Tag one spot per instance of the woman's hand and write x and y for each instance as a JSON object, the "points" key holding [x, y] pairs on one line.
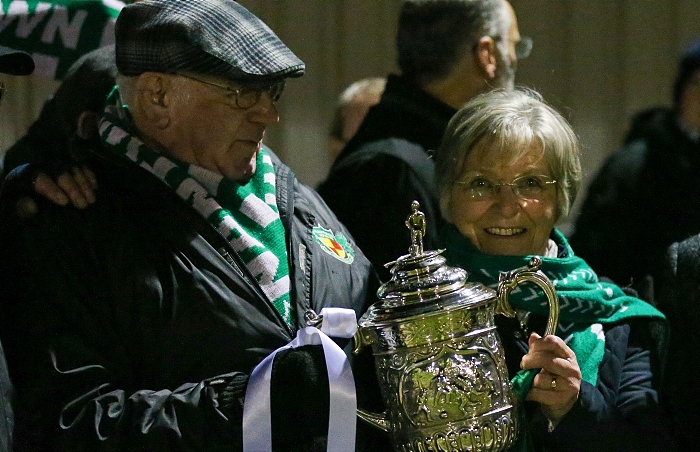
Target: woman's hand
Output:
{"points": [[557, 385]]}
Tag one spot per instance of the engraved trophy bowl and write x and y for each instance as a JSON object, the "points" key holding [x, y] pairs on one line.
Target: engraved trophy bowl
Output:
{"points": [[439, 360]]}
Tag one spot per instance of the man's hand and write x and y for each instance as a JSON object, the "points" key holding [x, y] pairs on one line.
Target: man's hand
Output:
{"points": [[76, 186]]}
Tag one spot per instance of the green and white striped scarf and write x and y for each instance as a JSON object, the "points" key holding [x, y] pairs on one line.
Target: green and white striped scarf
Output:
{"points": [[57, 32], [246, 215], [585, 302]]}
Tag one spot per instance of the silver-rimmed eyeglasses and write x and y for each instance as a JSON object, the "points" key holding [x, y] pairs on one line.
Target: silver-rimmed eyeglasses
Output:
{"points": [[527, 187], [247, 95]]}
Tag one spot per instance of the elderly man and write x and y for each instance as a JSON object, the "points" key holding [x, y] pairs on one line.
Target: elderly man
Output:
{"points": [[12, 62], [136, 323], [448, 52]]}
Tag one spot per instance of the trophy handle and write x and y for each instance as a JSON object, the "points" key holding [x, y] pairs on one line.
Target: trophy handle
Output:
{"points": [[507, 281], [379, 420]]}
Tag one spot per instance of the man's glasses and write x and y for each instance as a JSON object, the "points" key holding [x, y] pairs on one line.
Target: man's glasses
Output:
{"points": [[530, 188], [248, 95], [2, 90], [523, 47]]}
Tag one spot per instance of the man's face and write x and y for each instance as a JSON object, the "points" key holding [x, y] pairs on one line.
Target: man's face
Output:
{"points": [[690, 102], [216, 134]]}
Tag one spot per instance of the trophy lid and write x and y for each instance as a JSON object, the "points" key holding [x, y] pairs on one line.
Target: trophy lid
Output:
{"points": [[422, 283]]}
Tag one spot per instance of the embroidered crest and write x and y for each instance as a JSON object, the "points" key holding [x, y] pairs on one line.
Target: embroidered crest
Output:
{"points": [[334, 244]]}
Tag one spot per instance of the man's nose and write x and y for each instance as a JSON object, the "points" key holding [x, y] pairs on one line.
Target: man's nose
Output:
{"points": [[265, 110]]}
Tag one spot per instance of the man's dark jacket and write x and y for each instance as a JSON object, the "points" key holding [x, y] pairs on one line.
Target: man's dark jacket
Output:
{"points": [[133, 324], [373, 197], [646, 197]]}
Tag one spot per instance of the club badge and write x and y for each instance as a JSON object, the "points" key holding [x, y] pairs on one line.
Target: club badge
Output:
{"points": [[334, 244]]}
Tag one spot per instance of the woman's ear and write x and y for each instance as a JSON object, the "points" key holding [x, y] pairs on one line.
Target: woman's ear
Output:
{"points": [[486, 57]]}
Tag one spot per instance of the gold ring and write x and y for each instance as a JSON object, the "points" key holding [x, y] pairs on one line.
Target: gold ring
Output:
{"points": [[553, 384]]}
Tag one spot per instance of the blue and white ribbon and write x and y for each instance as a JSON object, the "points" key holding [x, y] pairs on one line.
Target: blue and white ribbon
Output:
{"points": [[257, 425]]}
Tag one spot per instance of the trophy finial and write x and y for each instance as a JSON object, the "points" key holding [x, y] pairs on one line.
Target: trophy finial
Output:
{"points": [[416, 224]]}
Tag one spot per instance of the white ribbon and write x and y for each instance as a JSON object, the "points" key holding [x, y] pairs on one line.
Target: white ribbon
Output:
{"points": [[257, 425]]}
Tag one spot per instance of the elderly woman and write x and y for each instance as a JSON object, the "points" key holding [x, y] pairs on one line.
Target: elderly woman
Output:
{"points": [[507, 170]]}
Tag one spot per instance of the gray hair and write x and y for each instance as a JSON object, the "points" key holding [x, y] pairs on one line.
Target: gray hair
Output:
{"points": [[509, 122], [434, 34]]}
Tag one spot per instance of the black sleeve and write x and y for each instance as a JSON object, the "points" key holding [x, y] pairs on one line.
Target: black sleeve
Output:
{"points": [[621, 412], [79, 381]]}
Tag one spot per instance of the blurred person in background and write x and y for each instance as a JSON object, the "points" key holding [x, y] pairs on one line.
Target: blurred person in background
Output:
{"points": [[55, 144], [448, 52], [647, 194], [350, 110], [12, 62]]}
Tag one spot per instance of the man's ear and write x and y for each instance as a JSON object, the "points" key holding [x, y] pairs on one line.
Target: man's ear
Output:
{"points": [[154, 97], [486, 57]]}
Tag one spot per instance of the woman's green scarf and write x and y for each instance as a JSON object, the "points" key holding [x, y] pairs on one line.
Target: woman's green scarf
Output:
{"points": [[585, 302], [246, 215]]}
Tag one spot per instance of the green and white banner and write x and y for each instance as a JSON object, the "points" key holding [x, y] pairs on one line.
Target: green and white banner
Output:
{"points": [[57, 32]]}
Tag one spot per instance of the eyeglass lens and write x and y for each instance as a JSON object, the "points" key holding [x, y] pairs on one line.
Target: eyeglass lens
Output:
{"points": [[247, 96]]}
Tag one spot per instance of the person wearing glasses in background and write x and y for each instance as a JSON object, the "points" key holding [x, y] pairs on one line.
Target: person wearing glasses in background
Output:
{"points": [[135, 323], [448, 52], [12, 62], [507, 171]]}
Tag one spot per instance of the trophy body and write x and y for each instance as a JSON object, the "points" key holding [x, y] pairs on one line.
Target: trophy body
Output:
{"points": [[439, 360]]}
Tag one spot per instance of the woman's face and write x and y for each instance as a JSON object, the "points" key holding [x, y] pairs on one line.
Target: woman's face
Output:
{"points": [[504, 223]]}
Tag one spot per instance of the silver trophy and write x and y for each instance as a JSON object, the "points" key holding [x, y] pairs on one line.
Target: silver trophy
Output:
{"points": [[439, 360]]}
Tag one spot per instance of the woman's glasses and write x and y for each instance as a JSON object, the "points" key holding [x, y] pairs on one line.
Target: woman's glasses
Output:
{"points": [[528, 187]]}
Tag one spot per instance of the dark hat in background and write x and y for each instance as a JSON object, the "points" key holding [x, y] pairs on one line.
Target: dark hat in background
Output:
{"points": [[689, 64], [85, 86], [15, 62], [210, 37]]}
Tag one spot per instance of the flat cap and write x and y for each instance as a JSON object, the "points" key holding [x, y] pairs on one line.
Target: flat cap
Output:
{"points": [[210, 37], [15, 62]]}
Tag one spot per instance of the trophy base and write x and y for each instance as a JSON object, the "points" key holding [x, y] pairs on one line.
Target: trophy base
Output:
{"points": [[496, 431]]}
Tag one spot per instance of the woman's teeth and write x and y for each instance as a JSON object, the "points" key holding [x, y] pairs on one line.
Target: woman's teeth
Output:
{"points": [[505, 231]]}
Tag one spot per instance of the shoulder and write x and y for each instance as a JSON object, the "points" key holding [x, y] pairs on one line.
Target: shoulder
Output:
{"points": [[683, 258], [385, 162]]}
